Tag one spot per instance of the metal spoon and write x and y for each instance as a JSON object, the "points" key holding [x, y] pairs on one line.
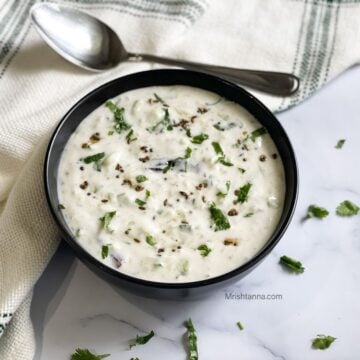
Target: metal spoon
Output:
{"points": [[91, 44]]}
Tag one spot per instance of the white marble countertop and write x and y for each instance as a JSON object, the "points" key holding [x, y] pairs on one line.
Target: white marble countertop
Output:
{"points": [[73, 307]]}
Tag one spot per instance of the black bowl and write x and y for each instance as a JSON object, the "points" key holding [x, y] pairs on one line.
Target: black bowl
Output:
{"points": [[169, 77]]}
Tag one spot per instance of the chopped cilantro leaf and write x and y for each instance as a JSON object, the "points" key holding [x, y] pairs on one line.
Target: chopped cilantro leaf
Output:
{"points": [[141, 178], [142, 203], [141, 340], [217, 126], [225, 162], [104, 251], [165, 122], [199, 139], [221, 194], [340, 144], [292, 264], [347, 208], [171, 163], [240, 325], [158, 98], [150, 240], [317, 212], [322, 342], [85, 354], [258, 132], [93, 158], [249, 214], [220, 220], [217, 148], [204, 250], [129, 136], [219, 151], [192, 341], [120, 123]]}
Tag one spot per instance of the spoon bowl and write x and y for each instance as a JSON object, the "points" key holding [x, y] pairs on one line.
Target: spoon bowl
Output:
{"points": [[78, 37]]}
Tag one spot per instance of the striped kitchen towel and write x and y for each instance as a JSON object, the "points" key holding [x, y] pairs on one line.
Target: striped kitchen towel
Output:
{"points": [[315, 39]]}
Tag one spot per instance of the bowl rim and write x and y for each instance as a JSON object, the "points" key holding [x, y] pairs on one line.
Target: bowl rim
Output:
{"points": [[85, 256]]}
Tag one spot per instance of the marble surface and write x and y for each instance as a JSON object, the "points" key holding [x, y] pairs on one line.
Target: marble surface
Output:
{"points": [[72, 307]]}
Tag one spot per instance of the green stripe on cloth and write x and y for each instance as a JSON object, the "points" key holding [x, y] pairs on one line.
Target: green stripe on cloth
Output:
{"points": [[315, 48], [333, 41], [308, 48], [169, 8], [6, 18]]}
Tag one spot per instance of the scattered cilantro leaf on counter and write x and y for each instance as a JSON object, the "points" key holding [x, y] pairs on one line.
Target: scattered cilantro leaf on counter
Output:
{"points": [[110, 132], [292, 264], [241, 170], [240, 325], [219, 151], [243, 193], [61, 207], [204, 250], [221, 194], [258, 132], [150, 240], [85, 354], [141, 340], [315, 211], [141, 178], [347, 208], [192, 341], [340, 144], [188, 133], [171, 163], [106, 219], [104, 251], [129, 136], [199, 139], [322, 342], [120, 123], [220, 220]]}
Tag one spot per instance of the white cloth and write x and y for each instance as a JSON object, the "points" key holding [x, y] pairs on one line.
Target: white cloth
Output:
{"points": [[315, 39]]}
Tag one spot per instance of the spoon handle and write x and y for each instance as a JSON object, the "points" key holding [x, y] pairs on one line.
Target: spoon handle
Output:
{"points": [[275, 83]]}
